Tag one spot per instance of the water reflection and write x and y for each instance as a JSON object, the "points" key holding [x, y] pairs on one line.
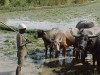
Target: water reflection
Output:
{"points": [[64, 66], [70, 66]]}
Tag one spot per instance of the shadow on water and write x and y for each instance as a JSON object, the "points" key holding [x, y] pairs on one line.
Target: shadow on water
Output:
{"points": [[63, 66], [70, 66]]}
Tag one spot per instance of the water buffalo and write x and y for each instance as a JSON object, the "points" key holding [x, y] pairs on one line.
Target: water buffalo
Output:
{"points": [[89, 39], [84, 24], [58, 39], [64, 39], [60, 43], [47, 37]]}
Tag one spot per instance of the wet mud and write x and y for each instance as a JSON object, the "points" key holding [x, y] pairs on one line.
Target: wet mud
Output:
{"points": [[67, 66], [36, 64]]}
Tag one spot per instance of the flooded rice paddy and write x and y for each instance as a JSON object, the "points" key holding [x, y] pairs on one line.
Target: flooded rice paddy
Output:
{"points": [[36, 64]]}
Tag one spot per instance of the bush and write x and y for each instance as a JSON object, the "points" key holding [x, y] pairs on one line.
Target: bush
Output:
{"points": [[5, 2], [18, 2], [40, 2]]}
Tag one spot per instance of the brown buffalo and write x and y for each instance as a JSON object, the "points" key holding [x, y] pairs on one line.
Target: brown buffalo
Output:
{"points": [[58, 39], [64, 39], [47, 37]]}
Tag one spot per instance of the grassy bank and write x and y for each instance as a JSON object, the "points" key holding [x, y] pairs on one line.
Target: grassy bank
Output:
{"points": [[13, 3], [52, 13]]}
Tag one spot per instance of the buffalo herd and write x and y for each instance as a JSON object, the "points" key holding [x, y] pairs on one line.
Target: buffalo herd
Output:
{"points": [[85, 38]]}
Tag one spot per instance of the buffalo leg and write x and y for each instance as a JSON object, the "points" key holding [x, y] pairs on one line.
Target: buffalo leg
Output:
{"points": [[82, 56], [51, 50], [98, 64], [46, 52], [77, 56], [74, 52], [56, 55], [64, 51], [93, 59], [57, 50]]}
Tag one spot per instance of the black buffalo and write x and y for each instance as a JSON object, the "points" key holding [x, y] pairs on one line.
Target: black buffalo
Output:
{"points": [[47, 40], [84, 24], [88, 41]]}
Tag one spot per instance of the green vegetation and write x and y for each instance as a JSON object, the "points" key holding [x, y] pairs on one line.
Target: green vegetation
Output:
{"points": [[8, 3], [52, 14]]}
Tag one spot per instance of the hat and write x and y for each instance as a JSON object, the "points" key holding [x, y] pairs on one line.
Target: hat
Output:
{"points": [[22, 26]]}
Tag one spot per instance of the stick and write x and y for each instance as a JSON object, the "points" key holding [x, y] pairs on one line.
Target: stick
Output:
{"points": [[8, 27]]}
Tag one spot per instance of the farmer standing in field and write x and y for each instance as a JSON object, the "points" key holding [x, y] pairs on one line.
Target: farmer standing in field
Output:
{"points": [[21, 46]]}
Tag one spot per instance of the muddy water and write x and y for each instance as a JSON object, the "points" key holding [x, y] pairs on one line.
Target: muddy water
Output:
{"points": [[49, 25], [8, 57], [36, 64], [64, 66]]}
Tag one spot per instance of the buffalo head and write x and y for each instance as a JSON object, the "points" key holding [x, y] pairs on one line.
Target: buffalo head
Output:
{"points": [[83, 38], [40, 33], [56, 45]]}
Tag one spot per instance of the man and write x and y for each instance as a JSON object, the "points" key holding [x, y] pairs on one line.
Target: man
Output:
{"points": [[21, 46]]}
